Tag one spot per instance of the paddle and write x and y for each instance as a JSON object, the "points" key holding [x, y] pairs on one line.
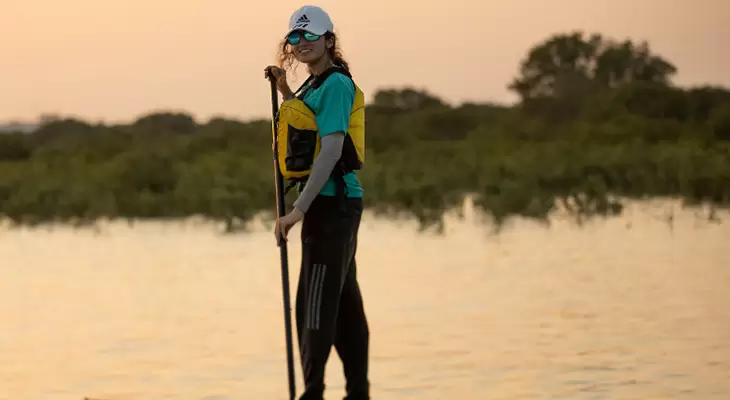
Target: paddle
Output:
{"points": [[280, 212]]}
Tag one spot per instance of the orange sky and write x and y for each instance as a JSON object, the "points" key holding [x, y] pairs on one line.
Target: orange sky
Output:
{"points": [[113, 60]]}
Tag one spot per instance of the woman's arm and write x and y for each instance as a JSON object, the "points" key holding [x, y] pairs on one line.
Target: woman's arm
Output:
{"points": [[329, 153]]}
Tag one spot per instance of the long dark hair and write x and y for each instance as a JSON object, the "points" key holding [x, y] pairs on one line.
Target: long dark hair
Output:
{"points": [[287, 59]]}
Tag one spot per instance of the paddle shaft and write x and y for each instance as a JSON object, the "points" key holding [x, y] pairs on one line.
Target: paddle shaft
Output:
{"points": [[280, 212]]}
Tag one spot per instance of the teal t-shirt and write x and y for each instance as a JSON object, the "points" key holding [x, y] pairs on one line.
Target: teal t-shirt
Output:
{"points": [[332, 103]]}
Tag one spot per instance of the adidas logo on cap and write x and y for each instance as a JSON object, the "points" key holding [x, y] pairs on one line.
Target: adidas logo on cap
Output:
{"points": [[302, 22]]}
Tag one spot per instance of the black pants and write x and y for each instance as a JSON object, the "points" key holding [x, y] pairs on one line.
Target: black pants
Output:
{"points": [[329, 308]]}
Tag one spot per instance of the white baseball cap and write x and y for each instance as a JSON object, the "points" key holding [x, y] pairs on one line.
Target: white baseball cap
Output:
{"points": [[312, 19]]}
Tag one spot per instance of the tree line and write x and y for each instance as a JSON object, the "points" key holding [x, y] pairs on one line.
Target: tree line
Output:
{"points": [[598, 120]]}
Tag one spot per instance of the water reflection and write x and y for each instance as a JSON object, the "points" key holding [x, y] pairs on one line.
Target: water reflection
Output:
{"points": [[164, 311]]}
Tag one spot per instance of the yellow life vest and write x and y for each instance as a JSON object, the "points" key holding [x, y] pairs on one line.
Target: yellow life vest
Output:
{"points": [[298, 140]]}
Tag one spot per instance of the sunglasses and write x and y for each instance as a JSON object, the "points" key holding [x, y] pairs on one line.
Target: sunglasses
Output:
{"points": [[296, 37]]}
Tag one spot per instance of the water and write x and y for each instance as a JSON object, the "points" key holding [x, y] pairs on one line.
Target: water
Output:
{"points": [[629, 308]]}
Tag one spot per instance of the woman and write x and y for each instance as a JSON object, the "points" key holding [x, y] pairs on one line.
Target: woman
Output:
{"points": [[329, 308]]}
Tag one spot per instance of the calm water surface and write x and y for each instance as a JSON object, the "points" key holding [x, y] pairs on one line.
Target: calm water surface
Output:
{"points": [[628, 308]]}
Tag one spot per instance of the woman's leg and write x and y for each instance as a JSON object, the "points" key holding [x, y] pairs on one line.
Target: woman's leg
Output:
{"points": [[352, 335], [327, 248], [352, 338]]}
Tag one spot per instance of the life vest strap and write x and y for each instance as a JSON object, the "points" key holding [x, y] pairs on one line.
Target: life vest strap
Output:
{"points": [[338, 175], [291, 185], [316, 81], [340, 186]]}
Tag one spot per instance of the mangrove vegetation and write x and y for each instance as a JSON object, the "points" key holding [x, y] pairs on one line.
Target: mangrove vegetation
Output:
{"points": [[598, 121]]}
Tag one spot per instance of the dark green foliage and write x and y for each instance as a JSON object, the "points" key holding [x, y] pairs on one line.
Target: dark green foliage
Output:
{"points": [[599, 121]]}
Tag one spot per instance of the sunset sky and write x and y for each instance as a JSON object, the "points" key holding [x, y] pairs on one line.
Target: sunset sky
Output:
{"points": [[113, 60]]}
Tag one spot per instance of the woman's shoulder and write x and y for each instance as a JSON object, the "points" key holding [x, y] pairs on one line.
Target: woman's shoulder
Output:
{"points": [[338, 81]]}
